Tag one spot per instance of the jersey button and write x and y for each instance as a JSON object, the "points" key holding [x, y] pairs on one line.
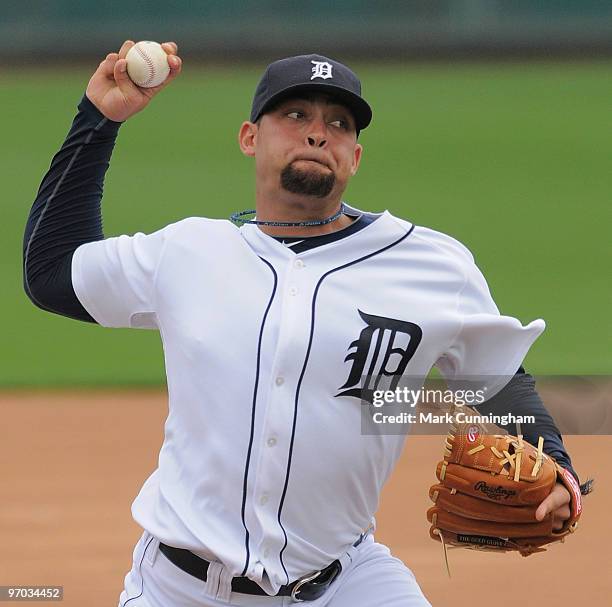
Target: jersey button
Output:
{"points": [[266, 552], [293, 291], [271, 442], [263, 500], [279, 381], [299, 263]]}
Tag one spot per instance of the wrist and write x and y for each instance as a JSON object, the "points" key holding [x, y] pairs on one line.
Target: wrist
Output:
{"points": [[89, 108]]}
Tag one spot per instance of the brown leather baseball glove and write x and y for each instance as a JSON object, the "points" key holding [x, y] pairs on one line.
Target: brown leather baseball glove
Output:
{"points": [[489, 490]]}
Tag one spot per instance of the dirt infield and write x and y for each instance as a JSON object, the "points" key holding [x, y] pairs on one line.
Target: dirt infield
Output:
{"points": [[72, 463]]}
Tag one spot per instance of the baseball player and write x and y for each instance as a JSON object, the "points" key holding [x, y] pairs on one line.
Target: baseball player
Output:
{"points": [[266, 488]]}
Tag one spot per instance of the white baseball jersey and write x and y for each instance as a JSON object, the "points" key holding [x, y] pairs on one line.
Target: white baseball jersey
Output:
{"points": [[263, 466]]}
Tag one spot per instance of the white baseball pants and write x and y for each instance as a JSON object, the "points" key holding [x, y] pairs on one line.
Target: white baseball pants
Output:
{"points": [[370, 577]]}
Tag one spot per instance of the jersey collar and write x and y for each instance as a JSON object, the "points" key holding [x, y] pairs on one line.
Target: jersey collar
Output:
{"points": [[380, 233]]}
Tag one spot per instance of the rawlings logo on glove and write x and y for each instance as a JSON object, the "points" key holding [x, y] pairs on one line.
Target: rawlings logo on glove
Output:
{"points": [[494, 493]]}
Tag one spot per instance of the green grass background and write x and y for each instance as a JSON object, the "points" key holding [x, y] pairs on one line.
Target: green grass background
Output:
{"points": [[511, 159]]}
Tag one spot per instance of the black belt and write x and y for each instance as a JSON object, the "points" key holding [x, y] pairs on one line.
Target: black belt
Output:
{"points": [[307, 588]]}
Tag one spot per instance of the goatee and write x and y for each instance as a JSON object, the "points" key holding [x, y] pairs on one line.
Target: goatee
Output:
{"points": [[309, 183]]}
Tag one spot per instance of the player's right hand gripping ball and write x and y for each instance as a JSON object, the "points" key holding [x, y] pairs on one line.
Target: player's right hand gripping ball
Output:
{"points": [[147, 64], [490, 488]]}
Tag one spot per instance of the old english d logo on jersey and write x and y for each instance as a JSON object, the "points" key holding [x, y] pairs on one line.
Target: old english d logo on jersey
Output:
{"points": [[379, 346], [321, 69]]}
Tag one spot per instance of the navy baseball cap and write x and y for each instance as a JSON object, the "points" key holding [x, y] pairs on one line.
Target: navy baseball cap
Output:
{"points": [[311, 73]]}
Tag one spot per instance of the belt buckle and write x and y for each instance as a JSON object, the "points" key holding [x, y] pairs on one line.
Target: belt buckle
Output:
{"points": [[300, 583]]}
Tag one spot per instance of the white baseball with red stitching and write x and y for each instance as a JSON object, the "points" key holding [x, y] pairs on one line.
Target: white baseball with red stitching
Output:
{"points": [[147, 64]]}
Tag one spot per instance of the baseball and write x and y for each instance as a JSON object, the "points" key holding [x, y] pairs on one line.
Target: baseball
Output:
{"points": [[147, 64]]}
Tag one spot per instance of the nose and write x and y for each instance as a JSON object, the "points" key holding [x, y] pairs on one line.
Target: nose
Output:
{"points": [[316, 136], [316, 141]]}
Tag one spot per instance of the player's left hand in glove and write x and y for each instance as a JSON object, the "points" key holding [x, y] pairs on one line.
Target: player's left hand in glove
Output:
{"points": [[115, 95], [491, 486]]}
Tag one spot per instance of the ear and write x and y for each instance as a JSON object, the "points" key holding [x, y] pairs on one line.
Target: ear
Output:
{"points": [[247, 138], [356, 158]]}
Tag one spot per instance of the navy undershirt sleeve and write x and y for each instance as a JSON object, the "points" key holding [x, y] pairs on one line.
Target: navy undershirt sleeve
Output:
{"points": [[521, 398], [67, 212]]}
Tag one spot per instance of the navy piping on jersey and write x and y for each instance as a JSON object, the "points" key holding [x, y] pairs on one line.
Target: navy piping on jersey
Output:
{"points": [[144, 553], [299, 385], [254, 406]]}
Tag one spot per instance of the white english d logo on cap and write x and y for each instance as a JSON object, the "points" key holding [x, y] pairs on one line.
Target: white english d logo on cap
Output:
{"points": [[321, 69]]}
